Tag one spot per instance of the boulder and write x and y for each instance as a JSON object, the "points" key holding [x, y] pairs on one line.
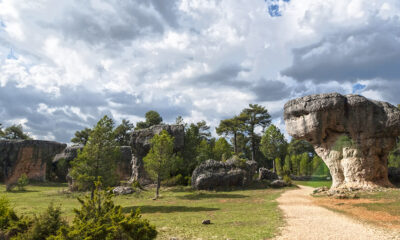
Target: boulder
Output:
{"points": [[212, 174], [121, 190], [140, 144], [30, 157], [61, 161], [266, 174], [278, 184], [352, 134], [394, 174]]}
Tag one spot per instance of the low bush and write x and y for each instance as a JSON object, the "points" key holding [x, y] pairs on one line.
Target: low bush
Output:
{"points": [[22, 182]]}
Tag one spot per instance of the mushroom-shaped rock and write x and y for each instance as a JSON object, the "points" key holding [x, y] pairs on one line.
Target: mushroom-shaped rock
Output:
{"points": [[352, 134]]}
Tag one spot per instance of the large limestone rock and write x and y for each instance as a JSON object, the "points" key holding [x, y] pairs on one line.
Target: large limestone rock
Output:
{"points": [[140, 143], [30, 157], [61, 162], [352, 134], [212, 174]]}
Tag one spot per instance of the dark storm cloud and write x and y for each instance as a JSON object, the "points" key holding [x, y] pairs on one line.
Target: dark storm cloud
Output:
{"points": [[62, 121], [389, 90], [270, 90], [369, 52], [222, 76], [128, 21]]}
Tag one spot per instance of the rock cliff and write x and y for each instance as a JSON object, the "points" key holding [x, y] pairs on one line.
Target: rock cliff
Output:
{"points": [[212, 174], [140, 143], [30, 157], [352, 134]]}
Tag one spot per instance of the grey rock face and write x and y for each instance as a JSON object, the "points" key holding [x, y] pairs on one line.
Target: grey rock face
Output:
{"points": [[30, 157], [61, 161], [352, 134], [124, 170], [213, 174], [140, 143], [265, 174], [278, 184], [120, 190]]}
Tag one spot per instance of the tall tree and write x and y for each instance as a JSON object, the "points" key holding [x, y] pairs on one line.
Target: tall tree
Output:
{"points": [[160, 157], [255, 115], [15, 132], [152, 118], [222, 149], [98, 157], [273, 144], [231, 126], [81, 137], [122, 133], [297, 147]]}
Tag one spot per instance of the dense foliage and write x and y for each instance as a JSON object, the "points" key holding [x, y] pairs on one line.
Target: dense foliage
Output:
{"points": [[98, 157], [160, 158], [81, 137], [14, 132], [152, 118]]}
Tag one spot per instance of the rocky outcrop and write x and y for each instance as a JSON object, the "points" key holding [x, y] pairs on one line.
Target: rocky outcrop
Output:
{"points": [[352, 134], [140, 143], [30, 157], [212, 174], [61, 162], [123, 168], [266, 174]]}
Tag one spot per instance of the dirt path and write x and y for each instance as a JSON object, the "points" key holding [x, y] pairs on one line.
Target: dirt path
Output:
{"points": [[305, 220]]}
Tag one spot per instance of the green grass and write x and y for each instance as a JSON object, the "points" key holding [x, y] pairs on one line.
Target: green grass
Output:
{"points": [[240, 214], [316, 181]]}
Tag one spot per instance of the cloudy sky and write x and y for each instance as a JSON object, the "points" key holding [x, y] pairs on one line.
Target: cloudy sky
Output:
{"points": [[64, 63]]}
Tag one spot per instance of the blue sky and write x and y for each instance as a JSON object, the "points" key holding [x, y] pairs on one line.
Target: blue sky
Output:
{"points": [[64, 64]]}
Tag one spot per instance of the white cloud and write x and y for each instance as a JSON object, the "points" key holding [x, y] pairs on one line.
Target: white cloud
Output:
{"points": [[200, 59]]}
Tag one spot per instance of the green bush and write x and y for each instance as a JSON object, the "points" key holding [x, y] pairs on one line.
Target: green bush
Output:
{"points": [[44, 226], [176, 180], [22, 182], [100, 219], [287, 180], [10, 223]]}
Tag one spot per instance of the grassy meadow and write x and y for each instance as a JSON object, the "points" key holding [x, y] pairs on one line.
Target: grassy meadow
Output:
{"points": [[239, 214]]}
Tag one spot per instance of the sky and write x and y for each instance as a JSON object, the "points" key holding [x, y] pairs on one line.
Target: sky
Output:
{"points": [[64, 64]]}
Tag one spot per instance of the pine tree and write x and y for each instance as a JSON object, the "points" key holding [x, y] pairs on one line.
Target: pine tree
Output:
{"points": [[159, 160], [98, 157]]}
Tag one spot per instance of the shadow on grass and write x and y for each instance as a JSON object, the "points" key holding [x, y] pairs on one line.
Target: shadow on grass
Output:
{"points": [[21, 191], [47, 184], [203, 195], [167, 209]]}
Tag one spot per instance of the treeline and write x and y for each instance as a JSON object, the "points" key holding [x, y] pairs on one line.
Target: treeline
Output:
{"points": [[13, 132]]}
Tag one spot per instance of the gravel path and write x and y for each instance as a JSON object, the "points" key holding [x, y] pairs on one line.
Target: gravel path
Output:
{"points": [[305, 220]]}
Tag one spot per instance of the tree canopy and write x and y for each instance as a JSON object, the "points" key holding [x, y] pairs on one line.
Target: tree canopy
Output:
{"points": [[160, 158], [273, 143], [122, 133], [152, 118], [98, 157], [81, 137], [15, 132], [232, 126], [255, 115]]}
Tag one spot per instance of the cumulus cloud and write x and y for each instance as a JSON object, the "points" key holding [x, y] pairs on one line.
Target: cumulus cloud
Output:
{"points": [[63, 64]]}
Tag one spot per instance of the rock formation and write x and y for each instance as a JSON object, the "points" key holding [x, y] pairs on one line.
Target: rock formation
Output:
{"points": [[61, 162], [140, 143], [352, 134], [30, 157], [212, 174]]}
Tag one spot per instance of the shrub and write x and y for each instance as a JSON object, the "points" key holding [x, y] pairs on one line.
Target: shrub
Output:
{"points": [[174, 181], [10, 223], [22, 182], [47, 224], [287, 180], [100, 219]]}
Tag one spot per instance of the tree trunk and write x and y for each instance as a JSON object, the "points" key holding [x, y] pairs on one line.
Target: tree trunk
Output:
{"points": [[158, 186], [253, 149], [235, 144]]}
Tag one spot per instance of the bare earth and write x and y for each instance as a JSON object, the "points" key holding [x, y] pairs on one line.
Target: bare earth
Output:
{"points": [[305, 220]]}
